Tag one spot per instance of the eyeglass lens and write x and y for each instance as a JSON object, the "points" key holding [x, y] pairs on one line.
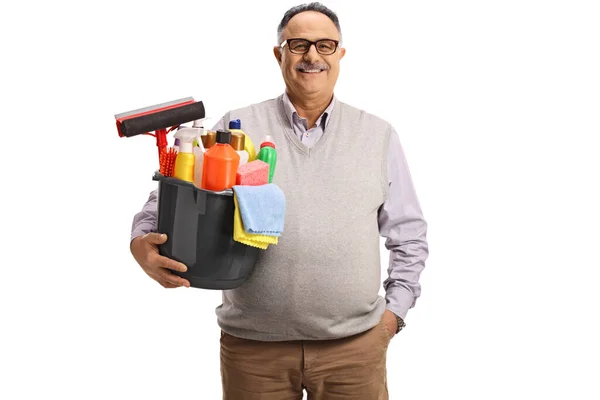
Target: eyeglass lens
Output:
{"points": [[323, 46]]}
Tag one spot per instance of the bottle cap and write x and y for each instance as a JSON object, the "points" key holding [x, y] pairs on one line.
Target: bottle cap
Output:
{"points": [[267, 144], [235, 124], [238, 141], [223, 136], [209, 139]]}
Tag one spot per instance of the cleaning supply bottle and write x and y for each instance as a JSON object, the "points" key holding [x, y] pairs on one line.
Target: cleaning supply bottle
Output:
{"points": [[209, 139], [237, 142], [184, 163], [221, 162], [176, 142], [268, 154], [235, 125], [199, 126], [199, 151]]}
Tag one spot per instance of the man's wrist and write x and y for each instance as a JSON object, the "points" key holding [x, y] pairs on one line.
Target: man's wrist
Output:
{"points": [[400, 324]]}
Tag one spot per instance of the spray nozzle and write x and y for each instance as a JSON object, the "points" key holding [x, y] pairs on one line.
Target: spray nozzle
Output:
{"points": [[186, 138], [199, 123]]}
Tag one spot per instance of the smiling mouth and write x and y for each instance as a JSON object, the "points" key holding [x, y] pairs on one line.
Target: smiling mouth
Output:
{"points": [[310, 71]]}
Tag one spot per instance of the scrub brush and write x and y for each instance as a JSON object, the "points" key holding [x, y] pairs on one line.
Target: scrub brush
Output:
{"points": [[167, 161]]}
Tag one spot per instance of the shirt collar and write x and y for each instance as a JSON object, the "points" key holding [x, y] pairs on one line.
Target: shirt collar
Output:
{"points": [[291, 111]]}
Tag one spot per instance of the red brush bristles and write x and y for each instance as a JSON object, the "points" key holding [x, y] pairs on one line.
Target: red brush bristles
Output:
{"points": [[167, 161], [162, 160], [171, 161]]}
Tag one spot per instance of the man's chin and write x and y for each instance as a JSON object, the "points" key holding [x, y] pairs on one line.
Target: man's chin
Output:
{"points": [[303, 88], [309, 90]]}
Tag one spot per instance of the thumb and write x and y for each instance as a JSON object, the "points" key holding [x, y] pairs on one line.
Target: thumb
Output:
{"points": [[156, 238]]}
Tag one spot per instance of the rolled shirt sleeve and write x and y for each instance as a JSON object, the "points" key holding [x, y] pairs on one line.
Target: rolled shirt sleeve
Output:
{"points": [[402, 223], [145, 221]]}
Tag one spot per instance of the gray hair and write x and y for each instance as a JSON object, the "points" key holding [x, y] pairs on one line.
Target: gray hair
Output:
{"points": [[315, 6]]}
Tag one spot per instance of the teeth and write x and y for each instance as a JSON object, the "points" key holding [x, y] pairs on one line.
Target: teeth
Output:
{"points": [[311, 71]]}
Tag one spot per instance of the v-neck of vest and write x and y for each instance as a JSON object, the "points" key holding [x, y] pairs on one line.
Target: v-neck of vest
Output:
{"points": [[291, 136]]}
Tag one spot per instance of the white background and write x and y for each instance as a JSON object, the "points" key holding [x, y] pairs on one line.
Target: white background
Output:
{"points": [[497, 105]]}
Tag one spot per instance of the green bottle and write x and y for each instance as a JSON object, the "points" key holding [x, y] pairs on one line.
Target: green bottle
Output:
{"points": [[268, 154]]}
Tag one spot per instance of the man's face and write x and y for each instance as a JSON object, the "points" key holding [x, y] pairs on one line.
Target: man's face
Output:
{"points": [[311, 73]]}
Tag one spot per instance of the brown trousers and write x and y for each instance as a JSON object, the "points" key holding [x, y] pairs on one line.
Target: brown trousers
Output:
{"points": [[348, 368]]}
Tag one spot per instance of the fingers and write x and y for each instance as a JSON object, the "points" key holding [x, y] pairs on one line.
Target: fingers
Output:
{"points": [[163, 268], [154, 260], [156, 238], [167, 263], [167, 279], [159, 267], [173, 279]]}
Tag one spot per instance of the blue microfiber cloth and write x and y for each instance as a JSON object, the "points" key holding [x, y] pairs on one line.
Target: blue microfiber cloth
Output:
{"points": [[262, 208]]}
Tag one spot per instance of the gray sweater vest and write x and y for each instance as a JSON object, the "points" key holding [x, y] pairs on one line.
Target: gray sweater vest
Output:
{"points": [[322, 280]]}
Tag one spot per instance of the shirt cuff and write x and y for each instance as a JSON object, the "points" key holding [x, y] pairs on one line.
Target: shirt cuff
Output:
{"points": [[141, 230], [399, 301]]}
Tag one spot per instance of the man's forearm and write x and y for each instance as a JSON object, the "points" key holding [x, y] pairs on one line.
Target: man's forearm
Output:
{"points": [[145, 221], [402, 223]]}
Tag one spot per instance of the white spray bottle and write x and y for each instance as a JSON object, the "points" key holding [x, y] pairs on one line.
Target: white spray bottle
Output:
{"points": [[199, 126], [177, 141]]}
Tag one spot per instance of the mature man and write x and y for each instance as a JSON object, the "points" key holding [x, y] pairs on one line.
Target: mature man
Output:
{"points": [[310, 316]]}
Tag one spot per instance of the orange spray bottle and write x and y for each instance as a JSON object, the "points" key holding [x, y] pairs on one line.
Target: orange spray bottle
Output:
{"points": [[221, 162]]}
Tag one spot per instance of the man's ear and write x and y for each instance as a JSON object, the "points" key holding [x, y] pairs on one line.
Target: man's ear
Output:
{"points": [[277, 53], [342, 52]]}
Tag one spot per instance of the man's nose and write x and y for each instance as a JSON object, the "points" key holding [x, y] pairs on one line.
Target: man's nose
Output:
{"points": [[312, 55]]}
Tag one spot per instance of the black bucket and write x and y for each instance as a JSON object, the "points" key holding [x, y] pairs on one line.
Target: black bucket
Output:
{"points": [[199, 228]]}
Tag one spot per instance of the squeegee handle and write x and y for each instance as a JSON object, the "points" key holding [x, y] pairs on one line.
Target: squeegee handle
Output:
{"points": [[161, 140]]}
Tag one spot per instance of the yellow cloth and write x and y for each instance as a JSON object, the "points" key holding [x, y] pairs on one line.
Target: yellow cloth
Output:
{"points": [[240, 235]]}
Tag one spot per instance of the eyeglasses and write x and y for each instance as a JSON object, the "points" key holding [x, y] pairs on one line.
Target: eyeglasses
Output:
{"points": [[325, 47]]}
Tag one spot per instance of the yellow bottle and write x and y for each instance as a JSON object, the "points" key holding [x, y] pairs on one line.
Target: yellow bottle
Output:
{"points": [[235, 125], [184, 163]]}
